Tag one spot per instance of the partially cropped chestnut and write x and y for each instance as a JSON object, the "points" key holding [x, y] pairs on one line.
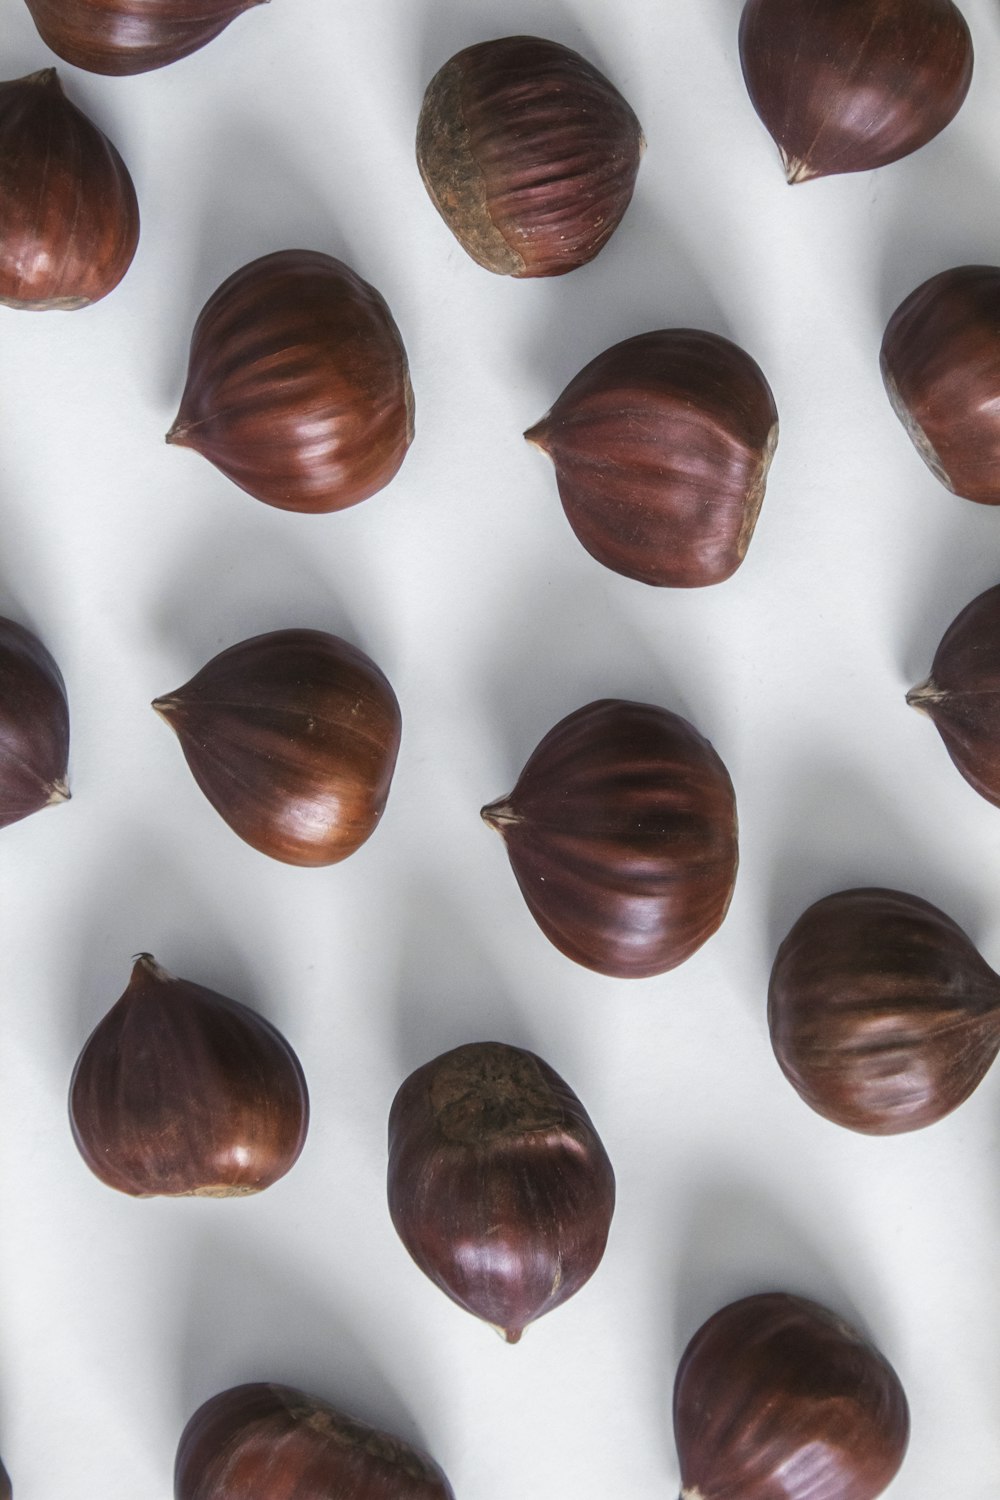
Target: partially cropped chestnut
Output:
{"points": [[182, 1092], [882, 1014], [292, 737], [776, 1398], [848, 85], [962, 694], [661, 447], [499, 1186], [5, 1486], [622, 835], [34, 726], [130, 36], [272, 1442], [69, 220], [298, 387], [529, 155], [941, 366]]}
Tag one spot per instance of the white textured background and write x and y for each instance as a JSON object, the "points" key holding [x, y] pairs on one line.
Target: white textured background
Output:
{"points": [[135, 562]]}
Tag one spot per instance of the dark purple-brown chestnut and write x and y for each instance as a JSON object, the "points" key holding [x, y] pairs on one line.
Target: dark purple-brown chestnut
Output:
{"points": [[529, 155], [69, 220], [941, 366], [182, 1092], [130, 36], [34, 726], [271, 1442], [622, 835], [661, 447], [6, 1491], [962, 694], [293, 737], [882, 1014], [298, 387], [499, 1186], [778, 1399], [848, 85]]}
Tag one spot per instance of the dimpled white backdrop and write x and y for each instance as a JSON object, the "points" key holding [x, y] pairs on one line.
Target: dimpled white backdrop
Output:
{"points": [[135, 562]]}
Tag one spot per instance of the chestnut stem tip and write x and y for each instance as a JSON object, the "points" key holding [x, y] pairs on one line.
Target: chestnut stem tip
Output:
{"points": [[498, 814], [536, 435], [59, 792], [923, 694]]}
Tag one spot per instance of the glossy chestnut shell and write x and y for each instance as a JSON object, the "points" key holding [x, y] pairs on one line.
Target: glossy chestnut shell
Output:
{"points": [[499, 1186], [622, 835], [69, 219], [962, 694], [848, 85], [182, 1092], [130, 36], [778, 1399], [661, 447], [298, 387], [34, 726], [272, 1442], [529, 155]]}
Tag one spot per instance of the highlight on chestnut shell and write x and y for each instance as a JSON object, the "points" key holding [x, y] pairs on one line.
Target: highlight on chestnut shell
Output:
{"points": [[121, 37], [298, 387], [34, 726], [67, 203], [622, 835], [850, 85], [775, 1395], [529, 154], [264, 1440], [182, 1092], [662, 446], [498, 1184], [882, 1014], [940, 362], [293, 737]]}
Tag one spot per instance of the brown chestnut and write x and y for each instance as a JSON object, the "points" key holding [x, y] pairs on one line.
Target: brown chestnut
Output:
{"points": [[941, 366], [776, 1398], [661, 447], [622, 835], [499, 1186], [962, 694], [529, 155], [5, 1486], [882, 1014], [848, 85], [292, 737], [181, 1092], [130, 36], [298, 387], [271, 1442], [34, 726], [69, 220]]}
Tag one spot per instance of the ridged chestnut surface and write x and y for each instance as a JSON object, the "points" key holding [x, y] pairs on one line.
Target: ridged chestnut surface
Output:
{"points": [[848, 85], [962, 694], [130, 36], [882, 1014], [941, 366], [183, 1092], [622, 835], [529, 154], [292, 736], [778, 1399], [69, 220], [298, 387], [499, 1186], [271, 1442], [661, 447], [34, 726]]}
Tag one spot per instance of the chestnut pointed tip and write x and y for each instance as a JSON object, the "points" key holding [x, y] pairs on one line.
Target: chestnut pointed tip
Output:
{"points": [[498, 815], [59, 792], [796, 170], [924, 695], [165, 707], [512, 1335], [177, 436], [45, 78], [537, 436]]}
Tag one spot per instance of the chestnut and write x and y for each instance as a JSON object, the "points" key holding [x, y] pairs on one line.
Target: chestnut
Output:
{"points": [[120, 37], [69, 220], [529, 154], [5, 1487], [272, 1442], [962, 694], [182, 1092], [34, 726], [622, 835], [941, 366], [499, 1186], [298, 387], [848, 85], [882, 1014], [776, 1398], [661, 447]]}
